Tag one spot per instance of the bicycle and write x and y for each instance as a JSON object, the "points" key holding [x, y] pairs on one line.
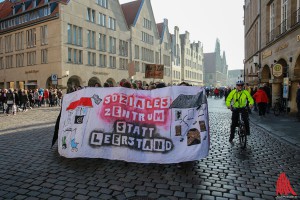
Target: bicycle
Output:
{"points": [[241, 129], [279, 107]]}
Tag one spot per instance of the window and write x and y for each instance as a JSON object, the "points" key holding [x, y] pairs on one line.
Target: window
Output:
{"points": [[1, 63], [31, 38], [69, 55], [167, 60], [91, 58], [19, 40], [284, 8], [1, 45], [8, 44], [74, 35], [44, 35], [272, 21], [298, 11], [80, 57], [137, 66], [136, 52], [91, 39], [102, 42], [112, 45], [123, 48], [157, 57], [44, 56], [31, 58], [102, 60], [74, 56], [147, 38], [112, 62], [88, 14], [102, 19], [20, 60], [79, 41], [123, 63], [147, 24], [112, 23], [69, 33], [8, 62], [102, 3]]}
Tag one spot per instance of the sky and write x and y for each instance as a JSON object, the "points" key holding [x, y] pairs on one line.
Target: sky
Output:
{"points": [[207, 20]]}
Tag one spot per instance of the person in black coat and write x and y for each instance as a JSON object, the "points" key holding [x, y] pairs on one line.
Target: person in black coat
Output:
{"points": [[298, 101]]}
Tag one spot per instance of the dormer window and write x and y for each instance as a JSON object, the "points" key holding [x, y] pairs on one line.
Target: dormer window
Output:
{"points": [[14, 10], [46, 1], [34, 3], [23, 7]]}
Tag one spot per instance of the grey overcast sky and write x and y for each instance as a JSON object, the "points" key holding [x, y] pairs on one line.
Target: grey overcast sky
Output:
{"points": [[207, 20]]}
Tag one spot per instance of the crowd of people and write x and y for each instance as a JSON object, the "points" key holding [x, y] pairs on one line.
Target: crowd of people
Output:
{"points": [[261, 95], [20, 100], [13, 101]]}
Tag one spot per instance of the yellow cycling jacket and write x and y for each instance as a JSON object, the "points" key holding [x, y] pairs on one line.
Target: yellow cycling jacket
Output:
{"points": [[239, 98]]}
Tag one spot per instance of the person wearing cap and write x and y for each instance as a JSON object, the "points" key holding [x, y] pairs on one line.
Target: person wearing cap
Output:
{"points": [[237, 102], [261, 98]]}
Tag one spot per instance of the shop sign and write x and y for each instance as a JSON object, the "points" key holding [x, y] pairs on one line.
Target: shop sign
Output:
{"points": [[277, 70], [99, 73], [282, 47], [31, 71], [266, 54]]}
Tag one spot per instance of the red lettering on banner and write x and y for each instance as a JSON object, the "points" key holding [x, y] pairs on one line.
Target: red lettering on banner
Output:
{"points": [[136, 108]]}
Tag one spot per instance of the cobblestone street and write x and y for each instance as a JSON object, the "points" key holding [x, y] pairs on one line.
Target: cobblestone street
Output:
{"points": [[31, 169]]}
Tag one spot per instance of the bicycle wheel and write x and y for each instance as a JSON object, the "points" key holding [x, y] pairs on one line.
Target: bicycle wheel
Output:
{"points": [[242, 136], [276, 109]]}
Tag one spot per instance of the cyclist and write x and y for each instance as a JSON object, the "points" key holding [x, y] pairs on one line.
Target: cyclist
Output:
{"points": [[240, 98]]}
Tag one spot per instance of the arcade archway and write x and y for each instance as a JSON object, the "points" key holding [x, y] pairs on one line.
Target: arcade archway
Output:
{"points": [[93, 81], [73, 82], [265, 74], [111, 82]]}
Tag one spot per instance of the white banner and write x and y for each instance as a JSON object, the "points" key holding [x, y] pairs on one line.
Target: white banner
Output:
{"points": [[167, 125]]}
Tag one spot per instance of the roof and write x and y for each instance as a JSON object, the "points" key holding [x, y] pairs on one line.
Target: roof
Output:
{"points": [[6, 7], [160, 28], [188, 101], [131, 10]]}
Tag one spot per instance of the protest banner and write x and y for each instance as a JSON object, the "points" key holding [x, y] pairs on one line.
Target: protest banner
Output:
{"points": [[167, 125]]}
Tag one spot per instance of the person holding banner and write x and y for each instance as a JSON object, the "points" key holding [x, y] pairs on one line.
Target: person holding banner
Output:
{"points": [[239, 96]]}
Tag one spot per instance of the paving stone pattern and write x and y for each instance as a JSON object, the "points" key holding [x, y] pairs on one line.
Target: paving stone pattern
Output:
{"points": [[30, 169]]}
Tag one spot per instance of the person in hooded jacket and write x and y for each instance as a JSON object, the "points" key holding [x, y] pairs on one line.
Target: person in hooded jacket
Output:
{"points": [[261, 98]]}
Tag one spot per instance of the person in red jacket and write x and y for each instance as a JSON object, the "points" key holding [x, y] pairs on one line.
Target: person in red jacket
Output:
{"points": [[261, 98]]}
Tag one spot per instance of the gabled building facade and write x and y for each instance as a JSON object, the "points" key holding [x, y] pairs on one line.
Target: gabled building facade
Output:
{"points": [[176, 57], [165, 49], [191, 60]]}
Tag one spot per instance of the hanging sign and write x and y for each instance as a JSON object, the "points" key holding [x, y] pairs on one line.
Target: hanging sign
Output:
{"points": [[277, 70]]}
